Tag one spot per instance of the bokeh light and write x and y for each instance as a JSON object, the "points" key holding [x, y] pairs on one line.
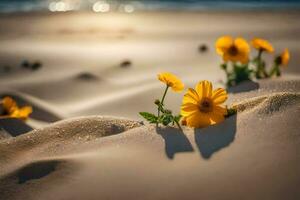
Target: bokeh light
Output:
{"points": [[101, 6], [129, 8], [63, 6]]}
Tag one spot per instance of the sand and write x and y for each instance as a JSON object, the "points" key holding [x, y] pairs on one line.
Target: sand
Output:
{"points": [[253, 155], [85, 139]]}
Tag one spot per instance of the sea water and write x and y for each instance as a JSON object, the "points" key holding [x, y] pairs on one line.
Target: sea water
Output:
{"points": [[136, 5]]}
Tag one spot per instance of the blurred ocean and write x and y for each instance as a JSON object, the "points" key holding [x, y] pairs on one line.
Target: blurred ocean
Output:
{"points": [[131, 5]]}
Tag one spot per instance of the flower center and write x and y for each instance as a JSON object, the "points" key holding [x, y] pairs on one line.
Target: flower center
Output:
{"points": [[205, 105], [233, 50], [262, 49]]}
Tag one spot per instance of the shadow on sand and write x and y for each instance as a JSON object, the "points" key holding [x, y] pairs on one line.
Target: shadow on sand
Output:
{"points": [[14, 127], [37, 170], [208, 140], [175, 141], [212, 139]]}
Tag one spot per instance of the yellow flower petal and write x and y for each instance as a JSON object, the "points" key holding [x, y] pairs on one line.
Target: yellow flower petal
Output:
{"points": [[198, 120], [25, 111], [11, 109], [242, 46], [235, 50], [216, 118], [219, 96], [241, 57], [220, 110], [201, 120], [285, 57], [188, 109], [178, 86], [261, 44], [223, 44], [9, 104], [172, 81], [22, 113], [191, 96], [204, 89], [201, 107]]}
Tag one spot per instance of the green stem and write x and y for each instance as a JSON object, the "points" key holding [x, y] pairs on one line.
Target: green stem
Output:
{"points": [[162, 101], [265, 73], [275, 70], [224, 67], [259, 55], [260, 71], [178, 125], [163, 98]]}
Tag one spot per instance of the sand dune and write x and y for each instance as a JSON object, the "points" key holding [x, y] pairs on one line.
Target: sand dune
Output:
{"points": [[81, 159], [269, 103], [59, 136]]}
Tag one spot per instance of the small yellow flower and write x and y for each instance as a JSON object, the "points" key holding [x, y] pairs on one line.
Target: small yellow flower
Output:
{"points": [[202, 106], [11, 109], [262, 45], [9, 105], [285, 57], [235, 50], [172, 81]]}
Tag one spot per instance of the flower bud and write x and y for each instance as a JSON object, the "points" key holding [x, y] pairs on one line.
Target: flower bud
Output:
{"points": [[224, 66], [157, 102], [168, 111]]}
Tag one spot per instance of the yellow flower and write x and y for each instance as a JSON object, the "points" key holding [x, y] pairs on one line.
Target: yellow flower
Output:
{"points": [[262, 45], [202, 107], [235, 50], [285, 57], [11, 109], [172, 81]]}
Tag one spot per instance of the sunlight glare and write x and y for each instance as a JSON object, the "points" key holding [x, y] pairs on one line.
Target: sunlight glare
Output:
{"points": [[101, 6]]}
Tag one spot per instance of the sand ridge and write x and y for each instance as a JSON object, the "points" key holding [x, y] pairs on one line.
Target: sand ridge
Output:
{"points": [[59, 136], [268, 103]]}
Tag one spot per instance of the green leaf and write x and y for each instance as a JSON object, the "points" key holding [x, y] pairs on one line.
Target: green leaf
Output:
{"points": [[167, 119], [149, 117]]}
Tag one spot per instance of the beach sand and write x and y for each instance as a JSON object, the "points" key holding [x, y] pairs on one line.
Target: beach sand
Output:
{"points": [[88, 141]]}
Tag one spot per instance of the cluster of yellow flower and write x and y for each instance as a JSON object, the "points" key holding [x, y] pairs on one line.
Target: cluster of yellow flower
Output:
{"points": [[201, 106], [243, 68], [10, 109]]}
